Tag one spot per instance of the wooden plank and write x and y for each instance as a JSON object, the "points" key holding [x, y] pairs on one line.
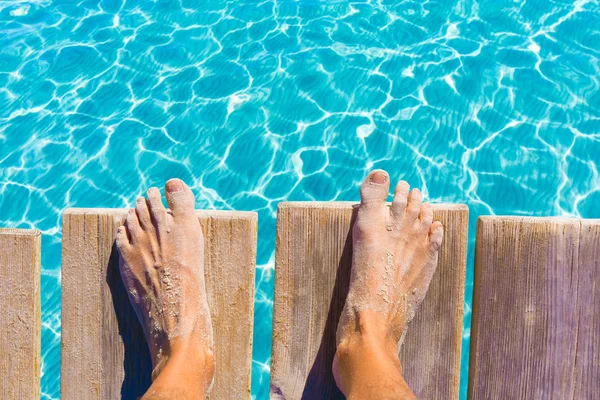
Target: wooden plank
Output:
{"points": [[104, 353], [536, 309], [312, 270], [587, 365], [20, 322]]}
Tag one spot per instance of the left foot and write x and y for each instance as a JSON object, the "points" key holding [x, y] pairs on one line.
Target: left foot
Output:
{"points": [[162, 265]]}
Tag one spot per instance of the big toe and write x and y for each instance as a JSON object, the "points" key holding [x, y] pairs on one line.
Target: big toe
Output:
{"points": [[374, 190], [180, 197]]}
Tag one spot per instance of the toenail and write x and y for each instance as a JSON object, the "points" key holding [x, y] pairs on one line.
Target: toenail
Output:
{"points": [[378, 177], [174, 185]]}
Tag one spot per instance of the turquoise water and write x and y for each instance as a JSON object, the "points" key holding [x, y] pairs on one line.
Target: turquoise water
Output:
{"points": [[495, 104]]}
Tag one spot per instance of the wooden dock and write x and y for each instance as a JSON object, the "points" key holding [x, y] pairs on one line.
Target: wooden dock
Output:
{"points": [[104, 353], [20, 323], [312, 270], [536, 309]]}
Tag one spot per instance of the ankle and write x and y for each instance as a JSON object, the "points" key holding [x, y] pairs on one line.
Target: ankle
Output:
{"points": [[365, 353], [366, 345], [188, 369], [370, 329], [189, 358], [361, 361]]}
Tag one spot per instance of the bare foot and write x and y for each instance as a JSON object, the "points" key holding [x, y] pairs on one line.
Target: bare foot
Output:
{"points": [[395, 252], [162, 265]]}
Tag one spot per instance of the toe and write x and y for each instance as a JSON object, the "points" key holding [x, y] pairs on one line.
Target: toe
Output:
{"points": [[426, 216], [157, 209], [419, 278], [400, 200], [414, 204], [132, 223], [180, 197], [375, 188], [122, 241], [143, 213], [436, 235]]}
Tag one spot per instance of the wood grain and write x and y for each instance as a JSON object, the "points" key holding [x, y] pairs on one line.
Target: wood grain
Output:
{"points": [[587, 364], [536, 309], [104, 353], [20, 322], [312, 270]]}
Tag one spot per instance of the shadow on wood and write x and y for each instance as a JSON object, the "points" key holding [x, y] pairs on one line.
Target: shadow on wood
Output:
{"points": [[320, 383], [137, 364]]}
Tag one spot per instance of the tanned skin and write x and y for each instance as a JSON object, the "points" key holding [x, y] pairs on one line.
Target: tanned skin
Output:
{"points": [[395, 252]]}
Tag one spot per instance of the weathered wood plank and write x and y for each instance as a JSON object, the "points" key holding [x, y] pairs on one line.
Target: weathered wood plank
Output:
{"points": [[20, 322], [536, 309], [104, 353], [587, 365], [312, 270]]}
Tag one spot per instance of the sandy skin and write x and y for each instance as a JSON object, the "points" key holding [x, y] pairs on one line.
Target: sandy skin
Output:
{"points": [[162, 268], [395, 252]]}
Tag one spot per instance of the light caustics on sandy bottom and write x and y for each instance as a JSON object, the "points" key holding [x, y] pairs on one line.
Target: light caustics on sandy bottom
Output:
{"points": [[495, 104]]}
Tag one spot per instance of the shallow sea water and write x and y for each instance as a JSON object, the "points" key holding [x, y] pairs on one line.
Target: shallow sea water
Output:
{"points": [[495, 104]]}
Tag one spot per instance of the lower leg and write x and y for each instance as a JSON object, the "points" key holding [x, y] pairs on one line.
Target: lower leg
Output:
{"points": [[395, 251]]}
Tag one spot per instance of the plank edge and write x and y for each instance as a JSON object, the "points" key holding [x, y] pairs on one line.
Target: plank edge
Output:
{"points": [[20, 232], [224, 214]]}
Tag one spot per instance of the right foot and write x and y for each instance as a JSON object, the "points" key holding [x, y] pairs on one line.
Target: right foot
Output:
{"points": [[162, 265], [395, 252]]}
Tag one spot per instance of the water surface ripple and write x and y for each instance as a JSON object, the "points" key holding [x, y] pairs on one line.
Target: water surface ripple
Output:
{"points": [[495, 104]]}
